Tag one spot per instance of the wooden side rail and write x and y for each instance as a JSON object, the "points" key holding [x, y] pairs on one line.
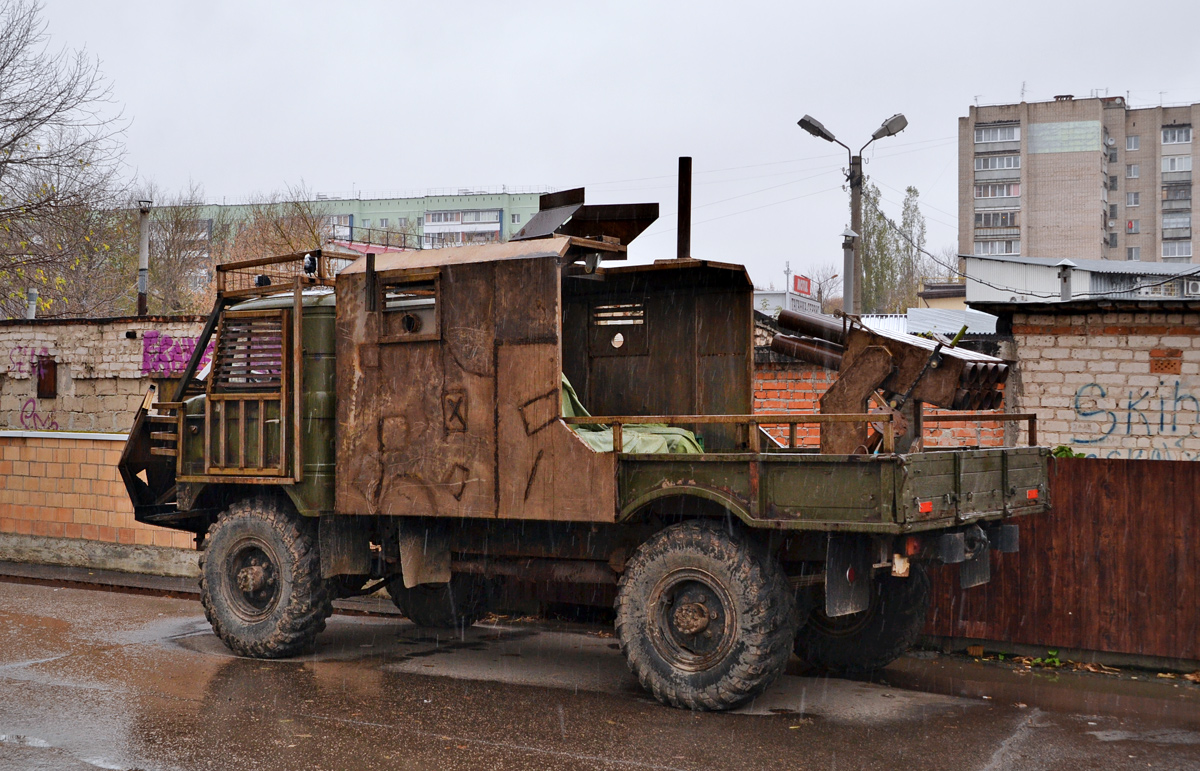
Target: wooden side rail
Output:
{"points": [[753, 421]]}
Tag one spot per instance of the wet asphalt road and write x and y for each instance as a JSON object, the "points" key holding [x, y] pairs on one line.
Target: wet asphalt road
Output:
{"points": [[94, 679]]}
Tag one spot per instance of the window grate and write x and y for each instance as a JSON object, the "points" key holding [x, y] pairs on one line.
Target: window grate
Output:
{"points": [[249, 354], [619, 315]]}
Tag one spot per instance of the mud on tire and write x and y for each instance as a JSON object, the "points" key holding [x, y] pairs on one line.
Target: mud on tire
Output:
{"points": [[870, 640], [704, 620], [260, 580]]}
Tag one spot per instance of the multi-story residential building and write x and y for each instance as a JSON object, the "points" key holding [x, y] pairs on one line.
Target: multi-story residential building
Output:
{"points": [[1080, 178], [439, 220]]}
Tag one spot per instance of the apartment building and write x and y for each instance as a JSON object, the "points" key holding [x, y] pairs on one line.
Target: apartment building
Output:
{"points": [[1079, 178]]}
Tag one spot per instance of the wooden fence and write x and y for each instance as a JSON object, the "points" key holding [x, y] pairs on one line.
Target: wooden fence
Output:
{"points": [[1112, 567]]}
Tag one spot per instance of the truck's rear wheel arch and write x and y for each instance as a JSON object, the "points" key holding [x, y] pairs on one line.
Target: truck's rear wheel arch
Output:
{"points": [[676, 504]]}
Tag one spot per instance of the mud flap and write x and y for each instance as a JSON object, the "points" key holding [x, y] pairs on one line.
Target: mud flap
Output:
{"points": [[977, 570], [345, 546], [424, 554], [848, 579]]}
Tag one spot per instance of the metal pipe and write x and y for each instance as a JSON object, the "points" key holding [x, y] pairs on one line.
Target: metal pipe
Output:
{"points": [[683, 247], [813, 326], [143, 278], [31, 303], [805, 350]]}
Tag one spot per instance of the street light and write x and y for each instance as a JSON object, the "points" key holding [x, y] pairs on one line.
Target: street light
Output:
{"points": [[852, 281]]}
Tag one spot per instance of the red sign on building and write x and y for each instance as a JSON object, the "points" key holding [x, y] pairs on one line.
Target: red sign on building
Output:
{"points": [[801, 285]]}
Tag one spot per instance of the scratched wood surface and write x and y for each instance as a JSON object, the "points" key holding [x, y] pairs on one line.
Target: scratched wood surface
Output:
{"points": [[1112, 567]]}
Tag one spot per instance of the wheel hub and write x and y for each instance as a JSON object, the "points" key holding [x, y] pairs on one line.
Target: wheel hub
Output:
{"points": [[691, 618], [253, 578]]}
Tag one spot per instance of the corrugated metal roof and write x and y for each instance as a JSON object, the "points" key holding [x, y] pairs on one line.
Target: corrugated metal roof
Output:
{"points": [[947, 322], [1130, 267], [886, 322]]}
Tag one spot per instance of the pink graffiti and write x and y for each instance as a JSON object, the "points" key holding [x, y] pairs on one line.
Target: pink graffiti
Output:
{"points": [[166, 356], [32, 420], [24, 360]]}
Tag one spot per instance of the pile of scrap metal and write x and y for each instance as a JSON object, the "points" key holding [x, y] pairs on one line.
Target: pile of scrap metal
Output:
{"points": [[908, 369]]}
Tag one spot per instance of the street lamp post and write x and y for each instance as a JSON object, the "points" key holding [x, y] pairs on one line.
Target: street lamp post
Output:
{"points": [[143, 277], [852, 294]]}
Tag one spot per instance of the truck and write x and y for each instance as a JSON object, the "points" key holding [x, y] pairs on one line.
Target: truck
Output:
{"points": [[449, 422]]}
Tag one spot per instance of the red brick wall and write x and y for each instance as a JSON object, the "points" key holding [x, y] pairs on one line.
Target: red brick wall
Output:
{"points": [[70, 488], [798, 387]]}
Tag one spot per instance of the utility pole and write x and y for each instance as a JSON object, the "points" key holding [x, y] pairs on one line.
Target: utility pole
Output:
{"points": [[143, 278], [855, 177], [853, 279]]}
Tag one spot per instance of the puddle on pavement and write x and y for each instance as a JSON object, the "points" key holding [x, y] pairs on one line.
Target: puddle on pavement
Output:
{"points": [[1066, 692]]}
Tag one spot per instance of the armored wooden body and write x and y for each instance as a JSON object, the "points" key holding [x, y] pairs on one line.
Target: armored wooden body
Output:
{"points": [[456, 413]]}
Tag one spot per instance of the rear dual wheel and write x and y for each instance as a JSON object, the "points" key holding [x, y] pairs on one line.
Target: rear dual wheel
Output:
{"points": [[863, 642], [704, 620]]}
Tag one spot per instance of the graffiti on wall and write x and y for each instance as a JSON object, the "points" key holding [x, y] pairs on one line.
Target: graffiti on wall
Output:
{"points": [[167, 356], [33, 419], [26, 360], [1115, 417]]}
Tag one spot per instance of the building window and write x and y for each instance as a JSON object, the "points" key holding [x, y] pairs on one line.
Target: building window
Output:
{"points": [[1177, 163], [996, 219], [998, 247], [1172, 136], [1177, 249], [383, 222], [1112, 156], [1112, 211], [1112, 183], [440, 217], [366, 223], [1177, 221], [481, 216], [1133, 253], [1133, 199], [516, 219], [998, 134], [1132, 171], [1112, 240], [1133, 226], [1133, 142], [992, 162], [1011, 190]]}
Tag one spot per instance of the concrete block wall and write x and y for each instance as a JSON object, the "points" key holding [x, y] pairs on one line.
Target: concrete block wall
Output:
{"points": [[1112, 384], [103, 368], [68, 487]]}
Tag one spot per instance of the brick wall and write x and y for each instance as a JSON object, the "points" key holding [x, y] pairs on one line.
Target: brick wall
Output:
{"points": [[103, 367], [70, 488], [1112, 385], [795, 387]]}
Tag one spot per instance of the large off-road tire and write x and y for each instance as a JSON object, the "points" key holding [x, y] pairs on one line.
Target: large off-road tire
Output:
{"points": [[461, 602], [260, 580], [706, 622], [871, 639]]}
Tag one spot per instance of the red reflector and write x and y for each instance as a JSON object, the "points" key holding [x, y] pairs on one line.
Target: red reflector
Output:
{"points": [[925, 507], [912, 546], [1032, 495], [851, 576]]}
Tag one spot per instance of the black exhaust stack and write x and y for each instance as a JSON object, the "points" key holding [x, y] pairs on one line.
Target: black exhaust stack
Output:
{"points": [[684, 239]]}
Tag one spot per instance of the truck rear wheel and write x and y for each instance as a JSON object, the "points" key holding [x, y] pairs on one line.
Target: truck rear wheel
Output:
{"points": [[260, 580], [454, 605], [704, 621], [871, 639]]}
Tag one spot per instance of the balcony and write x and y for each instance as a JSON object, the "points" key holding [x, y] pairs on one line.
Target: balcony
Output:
{"points": [[1179, 204], [1169, 233], [1176, 176]]}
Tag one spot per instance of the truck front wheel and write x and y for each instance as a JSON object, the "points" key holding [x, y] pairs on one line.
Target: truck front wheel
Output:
{"points": [[871, 639], [705, 621], [260, 580]]}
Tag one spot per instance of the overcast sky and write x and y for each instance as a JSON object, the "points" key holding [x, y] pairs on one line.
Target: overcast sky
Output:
{"points": [[246, 97]]}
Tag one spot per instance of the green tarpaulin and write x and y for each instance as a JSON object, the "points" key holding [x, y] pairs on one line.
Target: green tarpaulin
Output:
{"points": [[635, 437]]}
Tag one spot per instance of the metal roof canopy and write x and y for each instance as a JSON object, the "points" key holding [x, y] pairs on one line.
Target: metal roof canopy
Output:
{"points": [[565, 214]]}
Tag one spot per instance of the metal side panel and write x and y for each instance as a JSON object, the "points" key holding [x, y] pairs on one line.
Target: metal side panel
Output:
{"points": [[929, 487]]}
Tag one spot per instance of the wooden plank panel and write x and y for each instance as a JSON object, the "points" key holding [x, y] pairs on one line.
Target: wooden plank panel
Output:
{"points": [[1111, 568]]}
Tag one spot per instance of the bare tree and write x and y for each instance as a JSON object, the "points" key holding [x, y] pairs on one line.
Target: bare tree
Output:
{"points": [[280, 223], [181, 259], [826, 284], [59, 159]]}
